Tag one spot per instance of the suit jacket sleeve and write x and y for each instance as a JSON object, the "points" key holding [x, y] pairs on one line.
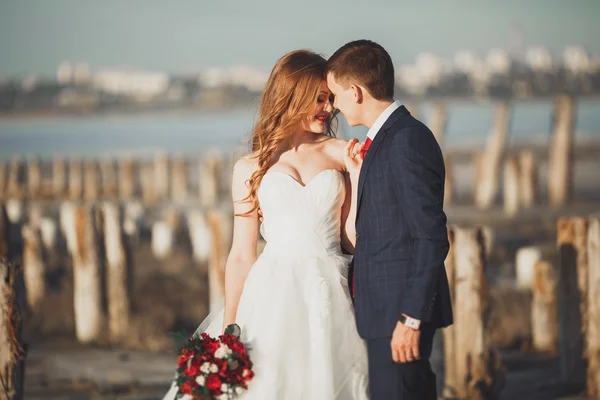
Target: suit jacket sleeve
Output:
{"points": [[418, 171]]}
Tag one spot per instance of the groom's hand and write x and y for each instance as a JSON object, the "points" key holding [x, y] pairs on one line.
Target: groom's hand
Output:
{"points": [[405, 344]]}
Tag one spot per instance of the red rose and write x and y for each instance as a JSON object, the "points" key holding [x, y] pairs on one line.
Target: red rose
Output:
{"points": [[213, 382], [211, 346], [239, 348], [192, 369], [187, 387]]}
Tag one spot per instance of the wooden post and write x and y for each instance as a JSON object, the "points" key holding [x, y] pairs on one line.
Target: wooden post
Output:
{"points": [[127, 178], [209, 181], [478, 369], [200, 235], [526, 260], [438, 121], [34, 178], [593, 314], [12, 349], [487, 185], [117, 274], [75, 180], [450, 377], [148, 184], [163, 234], [109, 178], [179, 180], [569, 304], [161, 177], [59, 177], [34, 268], [560, 160], [2, 179], [528, 179], [543, 309], [48, 232], [14, 178], [87, 278], [511, 187], [449, 182], [221, 225], [91, 190]]}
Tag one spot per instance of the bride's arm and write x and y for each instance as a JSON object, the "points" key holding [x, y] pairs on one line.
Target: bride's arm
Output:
{"points": [[351, 174], [245, 237]]}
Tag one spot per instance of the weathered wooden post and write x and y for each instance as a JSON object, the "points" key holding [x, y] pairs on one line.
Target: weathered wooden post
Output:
{"points": [[528, 179], [163, 234], [14, 178], [438, 121], [525, 261], [34, 178], [450, 377], [147, 180], [116, 274], [511, 187], [2, 179], [127, 178], [91, 188], [12, 304], [569, 302], [82, 241], [478, 368], [75, 180], [487, 185], [179, 180], [59, 177], [161, 178], [543, 309], [200, 235], [33, 267], [593, 310], [12, 349], [560, 160], [221, 225], [109, 178], [209, 180]]}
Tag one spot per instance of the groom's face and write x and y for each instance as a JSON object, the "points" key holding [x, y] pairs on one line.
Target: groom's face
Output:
{"points": [[345, 100]]}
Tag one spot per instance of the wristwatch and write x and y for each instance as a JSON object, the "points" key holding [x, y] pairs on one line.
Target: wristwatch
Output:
{"points": [[410, 322]]}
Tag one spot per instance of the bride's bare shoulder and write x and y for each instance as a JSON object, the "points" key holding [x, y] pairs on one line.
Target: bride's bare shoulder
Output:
{"points": [[245, 167]]}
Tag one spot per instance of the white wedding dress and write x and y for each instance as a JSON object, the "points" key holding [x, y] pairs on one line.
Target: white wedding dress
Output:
{"points": [[295, 310]]}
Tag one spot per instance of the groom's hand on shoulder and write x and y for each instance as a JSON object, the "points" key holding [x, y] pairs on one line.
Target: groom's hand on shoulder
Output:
{"points": [[405, 344]]}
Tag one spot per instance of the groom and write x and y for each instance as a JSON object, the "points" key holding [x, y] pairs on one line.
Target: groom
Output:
{"points": [[399, 283]]}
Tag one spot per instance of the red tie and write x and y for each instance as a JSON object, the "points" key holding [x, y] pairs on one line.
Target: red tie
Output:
{"points": [[366, 148]]}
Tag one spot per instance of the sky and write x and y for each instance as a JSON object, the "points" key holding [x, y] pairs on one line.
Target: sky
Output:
{"points": [[186, 35]]}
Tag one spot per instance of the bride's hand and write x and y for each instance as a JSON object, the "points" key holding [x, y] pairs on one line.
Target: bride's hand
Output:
{"points": [[353, 157]]}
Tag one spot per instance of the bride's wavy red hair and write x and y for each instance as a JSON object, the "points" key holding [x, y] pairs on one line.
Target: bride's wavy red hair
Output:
{"points": [[289, 97]]}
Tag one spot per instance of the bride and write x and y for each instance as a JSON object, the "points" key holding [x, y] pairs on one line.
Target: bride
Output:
{"points": [[293, 302]]}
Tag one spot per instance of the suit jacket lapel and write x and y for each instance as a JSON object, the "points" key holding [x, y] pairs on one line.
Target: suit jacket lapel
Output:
{"points": [[373, 149]]}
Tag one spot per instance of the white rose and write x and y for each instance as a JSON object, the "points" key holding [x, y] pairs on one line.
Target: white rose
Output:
{"points": [[205, 368], [223, 351], [213, 368], [224, 396], [239, 390], [200, 380], [224, 388], [186, 397]]}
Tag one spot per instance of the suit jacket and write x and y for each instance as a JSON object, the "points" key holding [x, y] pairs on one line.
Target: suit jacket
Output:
{"points": [[401, 234]]}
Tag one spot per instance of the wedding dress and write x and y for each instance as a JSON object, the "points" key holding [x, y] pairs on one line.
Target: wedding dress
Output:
{"points": [[295, 310]]}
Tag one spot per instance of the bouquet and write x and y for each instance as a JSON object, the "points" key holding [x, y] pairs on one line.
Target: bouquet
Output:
{"points": [[213, 369]]}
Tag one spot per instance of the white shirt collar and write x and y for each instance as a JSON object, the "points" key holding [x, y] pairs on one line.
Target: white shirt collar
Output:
{"points": [[382, 118]]}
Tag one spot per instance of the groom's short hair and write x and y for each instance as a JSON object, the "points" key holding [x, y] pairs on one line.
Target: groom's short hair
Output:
{"points": [[365, 63]]}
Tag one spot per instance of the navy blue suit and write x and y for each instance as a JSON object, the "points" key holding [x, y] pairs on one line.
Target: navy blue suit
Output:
{"points": [[401, 245]]}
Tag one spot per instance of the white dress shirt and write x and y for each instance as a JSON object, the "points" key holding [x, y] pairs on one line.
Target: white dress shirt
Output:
{"points": [[381, 119]]}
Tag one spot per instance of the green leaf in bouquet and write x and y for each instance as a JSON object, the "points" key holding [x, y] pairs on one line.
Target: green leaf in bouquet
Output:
{"points": [[233, 364], [233, 329]]}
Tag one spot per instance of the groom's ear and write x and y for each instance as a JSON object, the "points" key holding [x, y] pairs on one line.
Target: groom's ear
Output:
{"points": [[358, 93]]}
